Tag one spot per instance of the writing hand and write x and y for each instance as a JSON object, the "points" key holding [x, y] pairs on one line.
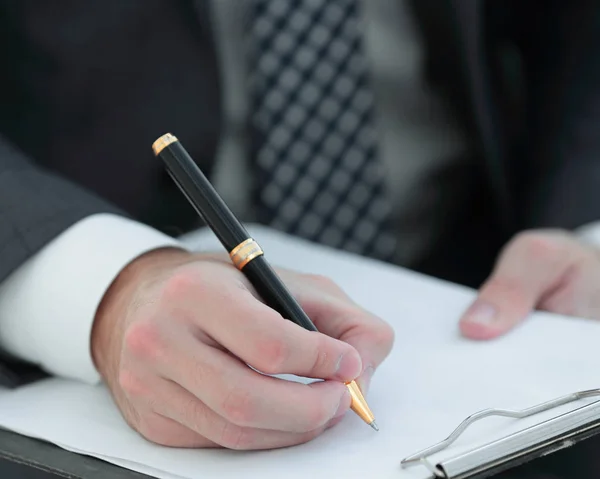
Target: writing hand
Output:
{"points": [[175, 332]]}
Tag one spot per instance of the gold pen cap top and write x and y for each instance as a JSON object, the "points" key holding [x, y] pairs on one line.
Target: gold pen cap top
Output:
{"points": [[163, 141]]}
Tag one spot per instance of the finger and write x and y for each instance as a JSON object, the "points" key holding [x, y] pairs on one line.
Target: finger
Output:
{"points": [[140, 391], [168, 432], [337, 316], [531, 267], [232, 317], [262, 338], [578, 293], [242, 395], [187, 412]]}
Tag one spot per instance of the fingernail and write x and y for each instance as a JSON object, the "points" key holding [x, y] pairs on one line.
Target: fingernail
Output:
{"points": [[344, 405], [481, 312], [348, 366], [365, 379]]}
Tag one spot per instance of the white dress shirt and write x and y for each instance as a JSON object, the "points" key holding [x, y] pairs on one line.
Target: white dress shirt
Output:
{"points": [[47, 306]]}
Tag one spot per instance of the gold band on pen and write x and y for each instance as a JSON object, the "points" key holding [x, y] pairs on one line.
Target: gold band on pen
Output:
{"points": [[245, 252], [162, 142]]}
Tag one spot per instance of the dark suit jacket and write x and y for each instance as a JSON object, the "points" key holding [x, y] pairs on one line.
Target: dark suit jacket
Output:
{"points": [[88, 86]]}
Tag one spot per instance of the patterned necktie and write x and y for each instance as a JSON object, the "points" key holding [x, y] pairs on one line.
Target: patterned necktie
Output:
{"points": [[318, 175]]}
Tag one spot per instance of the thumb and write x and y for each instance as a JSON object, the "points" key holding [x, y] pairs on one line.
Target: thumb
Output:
{"points": [[530, 267]]}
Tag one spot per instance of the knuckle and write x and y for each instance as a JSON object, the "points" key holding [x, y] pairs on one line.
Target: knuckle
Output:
{"points": [[195, 415], [143, 339], [132, 385], [239, 407], [322, 282], [509, 288], [504, 286], [235, 437], [273, 353], [181, 283], [199, 373], [537, 245], [321, 357]]}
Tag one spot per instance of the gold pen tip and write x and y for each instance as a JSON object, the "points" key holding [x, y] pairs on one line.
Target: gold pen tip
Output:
{"points": [[374, 425], [359, 404], [162, 142]]}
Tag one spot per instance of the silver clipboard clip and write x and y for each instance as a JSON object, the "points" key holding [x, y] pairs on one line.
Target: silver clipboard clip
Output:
{"points": [[541, 439]]}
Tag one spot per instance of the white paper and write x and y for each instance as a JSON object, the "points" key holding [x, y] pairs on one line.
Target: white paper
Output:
{"points": [[433, 379]]}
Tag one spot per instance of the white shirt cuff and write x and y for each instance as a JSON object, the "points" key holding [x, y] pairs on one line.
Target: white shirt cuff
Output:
{"points": [[48, 305], [589, 233]]}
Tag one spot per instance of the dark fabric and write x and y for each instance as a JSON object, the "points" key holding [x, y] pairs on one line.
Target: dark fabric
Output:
{"points": [[35, 206], [562, 54], [86, 88], [456, 65], [522, 80]]}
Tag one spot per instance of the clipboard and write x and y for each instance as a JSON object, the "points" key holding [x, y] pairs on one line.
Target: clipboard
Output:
{"points": [[515, 449]]}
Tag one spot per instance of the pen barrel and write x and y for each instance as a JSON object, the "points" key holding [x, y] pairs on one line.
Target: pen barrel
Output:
{"points": [[275, 294], [245, 253], [202, 195]]}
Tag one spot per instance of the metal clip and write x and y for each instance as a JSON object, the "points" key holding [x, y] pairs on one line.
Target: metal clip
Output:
{"points": [[421, 458]]}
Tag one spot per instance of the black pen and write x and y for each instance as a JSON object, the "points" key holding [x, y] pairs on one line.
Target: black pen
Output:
{"points": [[244, 251]]}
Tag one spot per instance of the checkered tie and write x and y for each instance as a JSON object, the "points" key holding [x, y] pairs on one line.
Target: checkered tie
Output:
{"points": [[318, 173]]}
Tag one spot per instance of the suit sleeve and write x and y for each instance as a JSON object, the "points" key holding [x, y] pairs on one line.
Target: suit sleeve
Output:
{"points": [[60, 249], [562, 138], [35, 207]]}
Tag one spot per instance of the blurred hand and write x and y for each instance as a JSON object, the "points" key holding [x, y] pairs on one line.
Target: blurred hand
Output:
{"points": [[545, 269], [175, 332]]}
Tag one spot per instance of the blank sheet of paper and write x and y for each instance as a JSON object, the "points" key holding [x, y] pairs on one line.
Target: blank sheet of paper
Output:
{"points": [[433, 379]]}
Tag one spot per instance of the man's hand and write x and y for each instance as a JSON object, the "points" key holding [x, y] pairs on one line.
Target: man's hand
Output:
{"points": [[175, 334], [547, 270]]}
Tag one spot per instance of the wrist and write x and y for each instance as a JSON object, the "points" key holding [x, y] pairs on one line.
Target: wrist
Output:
{"points": [[113, 306]]}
